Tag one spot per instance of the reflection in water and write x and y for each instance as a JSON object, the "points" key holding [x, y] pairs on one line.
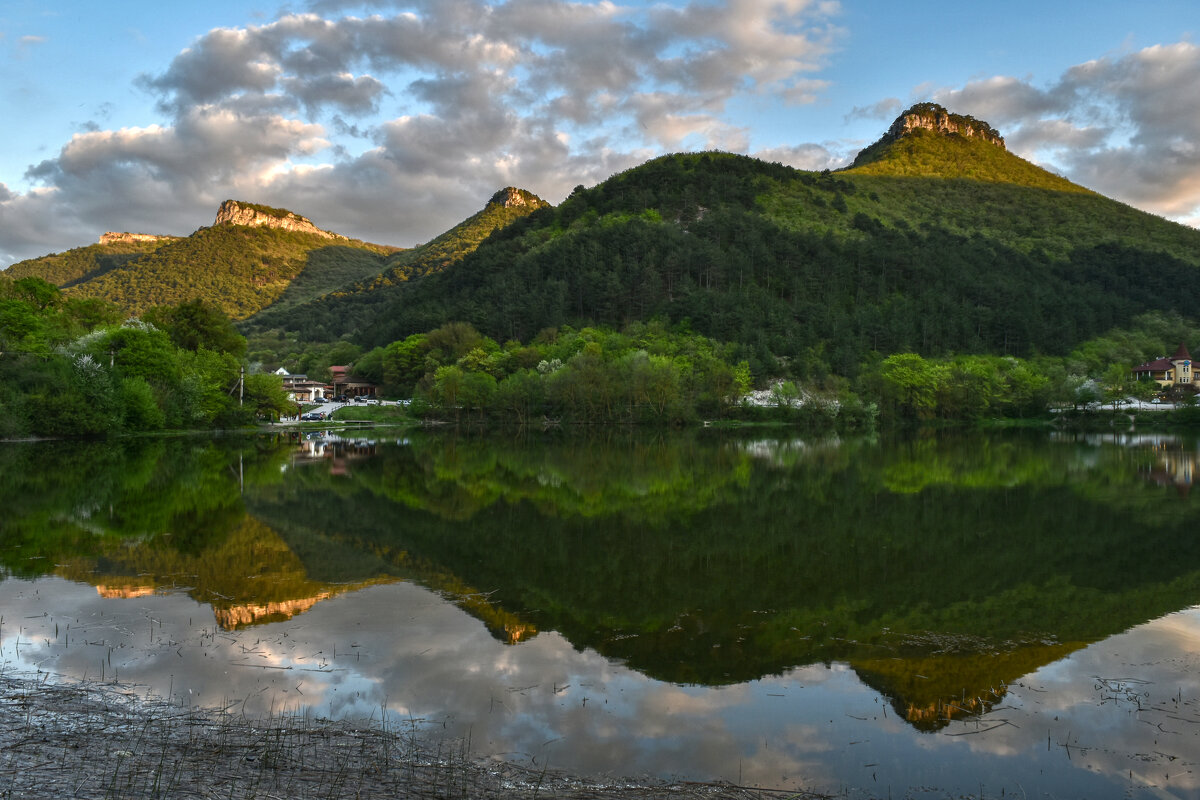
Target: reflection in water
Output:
{"points": [[711, 607]]}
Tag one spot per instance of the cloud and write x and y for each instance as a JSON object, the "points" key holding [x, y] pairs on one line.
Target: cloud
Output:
{"points": [[812, 157], [886, 109], [1127, 126], [394, 125]]}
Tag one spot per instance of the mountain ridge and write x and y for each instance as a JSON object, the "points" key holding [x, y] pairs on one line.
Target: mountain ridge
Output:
{"points": [[937, 243]]}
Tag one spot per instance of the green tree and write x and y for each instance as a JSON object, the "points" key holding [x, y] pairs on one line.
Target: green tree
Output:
{"points": [[910, 384], [196, 324], [265, 398]]}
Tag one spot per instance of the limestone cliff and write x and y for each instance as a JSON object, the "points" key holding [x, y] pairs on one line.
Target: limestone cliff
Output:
{"points": [[233, 212], [932, 117], [929, 141], [512, 197], [113, 237]]}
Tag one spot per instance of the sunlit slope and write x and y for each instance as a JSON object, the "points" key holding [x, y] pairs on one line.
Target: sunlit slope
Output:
{"points": [[83, 263], [239, 268], [252, 257]]}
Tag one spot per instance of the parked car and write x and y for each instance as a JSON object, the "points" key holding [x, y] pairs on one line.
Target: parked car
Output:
{"points": [[362, 398], [313, 416]]}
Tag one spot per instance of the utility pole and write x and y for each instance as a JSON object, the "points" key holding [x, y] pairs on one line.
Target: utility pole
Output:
{"points": [[241, 386]]}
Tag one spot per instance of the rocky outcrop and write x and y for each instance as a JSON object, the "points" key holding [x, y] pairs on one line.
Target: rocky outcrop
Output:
{"points": [[113, 237], [511, 197], [233, 212], [932, 117]]}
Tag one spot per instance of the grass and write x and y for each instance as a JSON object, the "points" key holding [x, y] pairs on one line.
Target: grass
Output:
{"points": [[102, 740], [373, 413]]}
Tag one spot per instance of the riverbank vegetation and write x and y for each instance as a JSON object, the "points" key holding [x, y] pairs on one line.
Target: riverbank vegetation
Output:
{"points": [[75, 367]]}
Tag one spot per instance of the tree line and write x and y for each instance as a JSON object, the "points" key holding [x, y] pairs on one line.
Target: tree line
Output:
{"points": [[76, 367]]}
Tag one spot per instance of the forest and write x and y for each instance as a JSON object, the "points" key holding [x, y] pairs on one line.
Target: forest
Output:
{"points": [[810, 271], [78, 367]]}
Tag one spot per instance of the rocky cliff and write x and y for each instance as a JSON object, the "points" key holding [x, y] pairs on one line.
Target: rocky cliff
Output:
{"points": [[932, 117], [113, 237], [234, 212], [511, 197]]}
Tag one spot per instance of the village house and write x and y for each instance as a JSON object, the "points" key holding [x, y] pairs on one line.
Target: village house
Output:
{"points": [[300, 389], [1168, 372], [347, 385]]}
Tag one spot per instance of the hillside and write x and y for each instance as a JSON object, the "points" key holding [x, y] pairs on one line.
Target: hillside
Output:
{"points": [[338, 311], [248, 259], [84, 263], [936, 242], [928, 141]]}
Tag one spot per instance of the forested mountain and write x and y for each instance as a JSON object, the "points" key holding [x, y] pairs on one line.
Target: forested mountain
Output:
{"points": [[936, 241], [340, 311], [250, 258], [84, 263]]}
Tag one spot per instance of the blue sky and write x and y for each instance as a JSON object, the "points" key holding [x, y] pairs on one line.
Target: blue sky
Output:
{"points": [[392, 120]]}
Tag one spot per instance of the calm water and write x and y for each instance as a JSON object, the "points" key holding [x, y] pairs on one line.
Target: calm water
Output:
{"points": [[947, 615]]}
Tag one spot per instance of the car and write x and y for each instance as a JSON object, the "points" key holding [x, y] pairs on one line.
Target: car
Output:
{"points": [[313, 416], [362, 398]]}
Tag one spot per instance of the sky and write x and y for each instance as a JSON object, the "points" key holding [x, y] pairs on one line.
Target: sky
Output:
{"points": [[393, 120]]}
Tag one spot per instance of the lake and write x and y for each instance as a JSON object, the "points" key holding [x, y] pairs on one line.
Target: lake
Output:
{"points": [[938, 615]]}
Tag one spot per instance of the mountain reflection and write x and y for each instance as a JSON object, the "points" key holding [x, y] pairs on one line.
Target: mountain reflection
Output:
{"points": [[941, 568]]}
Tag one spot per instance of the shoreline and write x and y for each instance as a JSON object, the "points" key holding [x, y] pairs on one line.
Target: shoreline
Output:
{"points": [[105, 740]]}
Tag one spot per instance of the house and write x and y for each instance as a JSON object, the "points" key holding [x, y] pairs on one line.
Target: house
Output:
{"points": [[350, 385], [301, 389], [1168, 372]]}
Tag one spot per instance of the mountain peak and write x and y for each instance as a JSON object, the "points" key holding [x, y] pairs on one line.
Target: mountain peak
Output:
{"points": [[927, 141], [512, 197], [933, 117], [236, 212]]}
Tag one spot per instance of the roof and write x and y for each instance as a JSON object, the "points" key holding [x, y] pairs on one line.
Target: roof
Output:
{"points": [[1182, 353], [1157, 365]]}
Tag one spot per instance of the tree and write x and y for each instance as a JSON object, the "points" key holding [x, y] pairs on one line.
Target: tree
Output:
{"points": [[404, 363], [265, 398], [910, 384], [196, 324], [39, 293]]}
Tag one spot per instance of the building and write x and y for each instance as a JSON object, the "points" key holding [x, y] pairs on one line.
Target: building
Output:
{"points": [[346, 385], [301, 389], [1168, 372]]}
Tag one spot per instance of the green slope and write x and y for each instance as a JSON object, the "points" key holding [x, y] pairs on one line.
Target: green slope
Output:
{"points": [[342, 306], [928, 141], [82, 263], [240, 268], [938, 243]]}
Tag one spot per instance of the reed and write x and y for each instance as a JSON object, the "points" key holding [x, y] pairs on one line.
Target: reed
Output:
{"points": [[109, 741]]}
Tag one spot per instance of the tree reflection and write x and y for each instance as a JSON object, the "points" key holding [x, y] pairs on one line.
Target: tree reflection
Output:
{"points": [[941, 567]]}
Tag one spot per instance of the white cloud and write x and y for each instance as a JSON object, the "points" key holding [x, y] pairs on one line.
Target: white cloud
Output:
{"points": [[453, 99], [812, 157], [1127, 126]]}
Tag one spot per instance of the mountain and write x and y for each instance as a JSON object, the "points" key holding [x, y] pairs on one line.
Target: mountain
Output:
{"points": [[928, 141], [329, 316], [252, 256], [82, 263], [937, 240]]}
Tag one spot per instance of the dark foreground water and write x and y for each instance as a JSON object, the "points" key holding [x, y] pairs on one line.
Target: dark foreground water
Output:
{"points": [[941, 616]]}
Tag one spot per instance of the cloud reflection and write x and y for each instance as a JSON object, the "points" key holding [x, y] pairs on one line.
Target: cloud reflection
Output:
{"points": [[404, 649]]}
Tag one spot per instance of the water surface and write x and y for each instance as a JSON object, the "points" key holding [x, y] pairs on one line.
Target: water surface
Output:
{"points": [[945, 615]]}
